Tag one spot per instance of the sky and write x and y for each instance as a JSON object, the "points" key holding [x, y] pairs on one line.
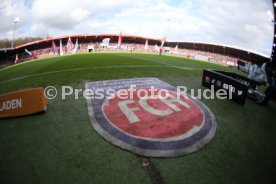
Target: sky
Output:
{"points": [[245, 24]]}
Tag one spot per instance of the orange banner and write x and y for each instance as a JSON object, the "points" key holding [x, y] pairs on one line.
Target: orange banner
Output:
{"points": [[21, 103]]}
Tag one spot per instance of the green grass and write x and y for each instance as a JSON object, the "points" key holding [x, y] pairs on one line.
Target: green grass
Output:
{"points": [[61, 146]]}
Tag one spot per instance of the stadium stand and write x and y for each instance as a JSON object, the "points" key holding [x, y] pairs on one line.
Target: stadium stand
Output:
{"points": [[208, 52]]}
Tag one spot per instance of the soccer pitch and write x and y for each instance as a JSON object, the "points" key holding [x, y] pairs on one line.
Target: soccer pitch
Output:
{"points": [[61, 146]]}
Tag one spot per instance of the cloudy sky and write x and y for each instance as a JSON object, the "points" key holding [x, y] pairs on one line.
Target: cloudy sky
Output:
{"points": [[240, 23]]}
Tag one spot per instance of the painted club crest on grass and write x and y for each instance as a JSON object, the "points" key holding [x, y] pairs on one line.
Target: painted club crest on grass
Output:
{"points": [[149, 123]]}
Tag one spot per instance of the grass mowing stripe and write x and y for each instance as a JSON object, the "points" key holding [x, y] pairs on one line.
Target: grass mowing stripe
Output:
{"points": [[180, 60], [80, 69], [67, 62]]}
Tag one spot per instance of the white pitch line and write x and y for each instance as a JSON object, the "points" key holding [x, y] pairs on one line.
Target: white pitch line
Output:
{"points": [[165, 64], [79, 69]]}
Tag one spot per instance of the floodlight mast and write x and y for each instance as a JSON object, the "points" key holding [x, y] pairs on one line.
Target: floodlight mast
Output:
{"points": [[16, 20]]}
